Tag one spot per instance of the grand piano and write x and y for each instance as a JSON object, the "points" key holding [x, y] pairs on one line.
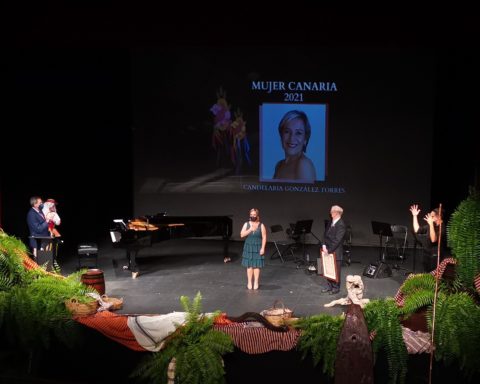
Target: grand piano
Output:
{"points": [[144, 231]]}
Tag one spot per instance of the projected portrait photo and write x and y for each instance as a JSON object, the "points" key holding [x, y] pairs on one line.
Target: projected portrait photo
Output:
{"points": [[292, 146]]}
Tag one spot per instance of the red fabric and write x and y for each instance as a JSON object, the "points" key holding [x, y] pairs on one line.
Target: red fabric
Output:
{"points": [[255, 340], [222, 319], [416, 342], [113, 326], [28, 263], [477, 283], [443, 265]]}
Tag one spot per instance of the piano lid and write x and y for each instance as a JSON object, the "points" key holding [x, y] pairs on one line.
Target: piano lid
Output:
{"points": [[141, 225]]}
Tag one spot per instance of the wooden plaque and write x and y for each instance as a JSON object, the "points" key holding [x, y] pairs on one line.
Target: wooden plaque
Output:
{"points": [[330, 266]]}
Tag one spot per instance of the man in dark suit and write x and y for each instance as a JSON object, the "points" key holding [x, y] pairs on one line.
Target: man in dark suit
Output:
{"points": [[333, 243], [36, 222]]}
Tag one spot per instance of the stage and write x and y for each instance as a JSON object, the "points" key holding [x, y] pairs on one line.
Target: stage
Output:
{"points": [[174, 268], [183, 267]]}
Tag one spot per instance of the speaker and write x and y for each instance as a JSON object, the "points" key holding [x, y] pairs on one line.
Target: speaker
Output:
{"points": [[377, 270]]}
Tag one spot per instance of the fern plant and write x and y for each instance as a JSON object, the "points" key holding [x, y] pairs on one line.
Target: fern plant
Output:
{"points": [[319, 339], [456, 331], [382, 316], [463, 234], [418, 291], [196, 347], [32, 308], [11, 266], [35, 312]]}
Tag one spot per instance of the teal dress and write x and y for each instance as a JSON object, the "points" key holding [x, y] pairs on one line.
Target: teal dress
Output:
{"points": [[251, 249]]}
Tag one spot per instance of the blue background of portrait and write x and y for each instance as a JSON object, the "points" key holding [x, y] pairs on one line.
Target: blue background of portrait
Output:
{"points": [[271, 151]]}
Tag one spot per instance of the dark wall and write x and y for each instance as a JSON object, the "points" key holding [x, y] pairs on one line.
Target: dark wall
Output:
{"points": [[69, 139], [456, 152], [69, 115]]}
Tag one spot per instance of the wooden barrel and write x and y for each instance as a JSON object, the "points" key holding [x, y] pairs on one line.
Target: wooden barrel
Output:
{"points": [[94, 278]]}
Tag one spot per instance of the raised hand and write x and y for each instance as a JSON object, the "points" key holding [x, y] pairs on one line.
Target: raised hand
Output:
{"points": [[428, 218], [415, 210]]}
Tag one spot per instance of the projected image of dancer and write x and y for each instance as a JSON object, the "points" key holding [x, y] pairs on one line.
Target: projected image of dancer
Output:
{"points": [[295, 131]]}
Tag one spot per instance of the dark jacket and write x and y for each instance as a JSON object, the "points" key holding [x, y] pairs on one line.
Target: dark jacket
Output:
{"points": [[333, 238], [37, 225]]}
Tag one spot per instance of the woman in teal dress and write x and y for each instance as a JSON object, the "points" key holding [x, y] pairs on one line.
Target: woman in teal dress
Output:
{"points": [[254, 247]]}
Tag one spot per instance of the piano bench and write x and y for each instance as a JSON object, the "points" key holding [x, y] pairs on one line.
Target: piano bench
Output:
{"points": [[87, 255]]}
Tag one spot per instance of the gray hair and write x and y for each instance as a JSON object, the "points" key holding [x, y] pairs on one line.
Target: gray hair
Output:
{"points": [[337, 209], [34, 199]]}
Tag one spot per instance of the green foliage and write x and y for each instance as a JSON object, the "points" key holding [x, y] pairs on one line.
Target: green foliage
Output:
{"points": [[417, 300], [382, 316], [463, 232], [196, 347], [418, 282], [319, 338], [4, 305], [32, 308], [11, 266], [456, 331], [60, 289], [36, 311], [7, 278], [12, 246], [457, 314], [418, 291]]}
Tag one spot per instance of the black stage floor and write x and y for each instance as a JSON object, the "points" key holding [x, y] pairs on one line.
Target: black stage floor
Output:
{"points": [[186, 266]]}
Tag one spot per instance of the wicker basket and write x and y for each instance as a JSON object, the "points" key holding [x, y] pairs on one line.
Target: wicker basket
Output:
{"points": [[116, 303], [81, 309], [277, 315], [291, 321]]}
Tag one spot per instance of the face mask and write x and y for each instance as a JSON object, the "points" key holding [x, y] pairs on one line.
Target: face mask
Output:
{"points": [[253, 218], [40, 207]]}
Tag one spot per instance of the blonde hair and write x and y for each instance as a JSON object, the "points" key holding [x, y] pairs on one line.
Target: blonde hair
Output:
{"points": [[257, 212]]}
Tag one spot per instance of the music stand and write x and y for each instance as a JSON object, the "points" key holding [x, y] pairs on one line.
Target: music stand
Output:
{"points": [[379, 269], [301, 228], [381, 229]]}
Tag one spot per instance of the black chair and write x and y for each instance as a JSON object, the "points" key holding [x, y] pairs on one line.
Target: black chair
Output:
{"points": [[283, 245], [87, 255]]}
